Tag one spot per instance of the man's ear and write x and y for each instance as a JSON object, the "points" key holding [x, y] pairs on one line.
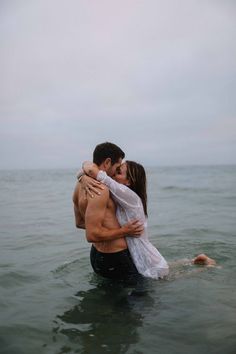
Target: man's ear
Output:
{"points": [[107, 162]]}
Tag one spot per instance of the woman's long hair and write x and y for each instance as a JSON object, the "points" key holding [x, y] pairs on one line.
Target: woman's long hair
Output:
{"points": [[138, 183]]}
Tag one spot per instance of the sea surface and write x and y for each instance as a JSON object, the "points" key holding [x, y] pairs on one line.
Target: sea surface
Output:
{"points": [[51, 301]]}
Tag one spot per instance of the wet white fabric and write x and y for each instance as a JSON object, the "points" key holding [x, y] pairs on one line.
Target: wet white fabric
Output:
{"points": [[147, 259]]}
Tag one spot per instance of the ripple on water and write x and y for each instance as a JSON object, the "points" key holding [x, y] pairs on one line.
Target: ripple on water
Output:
{"points": [[13, 339], [76, 271], [184, 189], [15, 279]]}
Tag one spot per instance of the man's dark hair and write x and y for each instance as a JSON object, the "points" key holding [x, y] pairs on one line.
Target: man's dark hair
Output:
{"points": [[107, 150]]}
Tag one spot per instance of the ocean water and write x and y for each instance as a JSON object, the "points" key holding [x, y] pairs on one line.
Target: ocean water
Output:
{"points": [[52, 302]]}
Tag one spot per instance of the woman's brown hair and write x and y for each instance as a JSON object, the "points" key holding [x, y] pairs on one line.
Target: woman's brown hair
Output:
{"points": [[138, 183]]}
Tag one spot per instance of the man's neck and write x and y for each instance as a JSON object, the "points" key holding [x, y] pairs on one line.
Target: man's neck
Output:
{"points": [[102, 167]]}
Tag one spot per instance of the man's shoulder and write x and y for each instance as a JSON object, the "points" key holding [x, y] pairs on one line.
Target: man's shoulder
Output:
{"points": [[100, 198], [105, 192], [105, 188]]}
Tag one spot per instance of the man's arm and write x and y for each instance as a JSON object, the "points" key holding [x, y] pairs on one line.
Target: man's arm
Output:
{"points": [[94, 218]]}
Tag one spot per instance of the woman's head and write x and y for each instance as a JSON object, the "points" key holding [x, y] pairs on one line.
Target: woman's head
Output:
{"points": [[133, 175]]}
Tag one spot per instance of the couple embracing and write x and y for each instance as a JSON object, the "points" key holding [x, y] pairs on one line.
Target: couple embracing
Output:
{"points": [[110, 203]]}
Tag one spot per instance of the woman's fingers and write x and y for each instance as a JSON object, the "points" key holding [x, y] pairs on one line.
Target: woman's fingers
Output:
{"points": [[97, 184], [91, 190], [136, 227], [138, 231], [88, 190], [94, 189], [94, 185], [91, 186]]}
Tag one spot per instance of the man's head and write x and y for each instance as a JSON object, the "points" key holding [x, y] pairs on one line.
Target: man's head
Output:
{"points": [[108, 157]]}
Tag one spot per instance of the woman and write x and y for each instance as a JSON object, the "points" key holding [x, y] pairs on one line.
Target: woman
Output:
{"points": [[128, 189]]}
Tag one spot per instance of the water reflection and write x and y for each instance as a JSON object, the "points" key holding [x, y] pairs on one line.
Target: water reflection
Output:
{"points": [[106, 319]]}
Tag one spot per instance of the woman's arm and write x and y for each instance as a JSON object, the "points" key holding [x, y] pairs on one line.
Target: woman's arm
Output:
{"points": [[122, 194], [90, 169]]}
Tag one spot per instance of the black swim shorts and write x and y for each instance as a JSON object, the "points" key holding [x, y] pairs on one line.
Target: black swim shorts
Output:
{"points": [[118, 265]]}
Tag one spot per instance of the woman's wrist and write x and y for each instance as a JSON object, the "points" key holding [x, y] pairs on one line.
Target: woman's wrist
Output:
{"points": [[90, 169]]}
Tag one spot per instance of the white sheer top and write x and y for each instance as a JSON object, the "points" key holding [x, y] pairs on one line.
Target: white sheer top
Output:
{"points": [[147, 259]]}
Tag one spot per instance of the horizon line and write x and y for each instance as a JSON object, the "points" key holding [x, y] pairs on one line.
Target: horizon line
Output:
{"points": [[146, 166]]}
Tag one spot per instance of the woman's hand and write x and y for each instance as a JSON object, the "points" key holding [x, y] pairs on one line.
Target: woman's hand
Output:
{"points": [[134, 228], [91, 185]]}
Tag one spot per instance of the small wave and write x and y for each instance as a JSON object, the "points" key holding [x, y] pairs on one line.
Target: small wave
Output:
{"points": [[65, 267], [12, 278], [230, 197], [201, 231], [73, 266], [184, 189], [72, 272]]}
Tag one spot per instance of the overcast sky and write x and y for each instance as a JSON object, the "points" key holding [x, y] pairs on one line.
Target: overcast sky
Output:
{"points": [[158, 78]]}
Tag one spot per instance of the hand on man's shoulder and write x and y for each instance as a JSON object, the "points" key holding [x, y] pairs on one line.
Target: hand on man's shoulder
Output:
{"points": [[101, 193]]}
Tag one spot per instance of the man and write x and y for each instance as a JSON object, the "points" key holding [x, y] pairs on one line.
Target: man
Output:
{"points": [[109, 253]]}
